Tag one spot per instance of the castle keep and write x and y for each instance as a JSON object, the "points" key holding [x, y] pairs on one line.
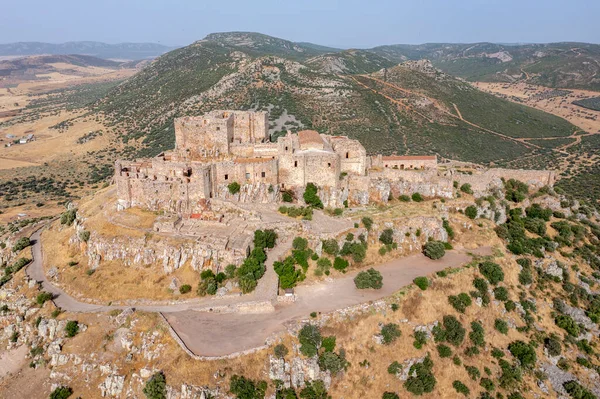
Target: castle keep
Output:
{"points": [[222, 147]]}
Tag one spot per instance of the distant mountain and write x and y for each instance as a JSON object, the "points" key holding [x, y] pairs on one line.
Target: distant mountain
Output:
{"points": [[36, 67], [123, 51], [564, 65]]}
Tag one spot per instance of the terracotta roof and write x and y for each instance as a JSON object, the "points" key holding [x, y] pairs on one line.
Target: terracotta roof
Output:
{"points": [[409, 158], [309, 136]]}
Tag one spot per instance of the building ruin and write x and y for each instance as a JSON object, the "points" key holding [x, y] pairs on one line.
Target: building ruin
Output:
{"points": [[222, 147]]}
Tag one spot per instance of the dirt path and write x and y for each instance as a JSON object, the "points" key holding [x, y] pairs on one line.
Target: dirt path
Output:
{"points": [[522, 141]]}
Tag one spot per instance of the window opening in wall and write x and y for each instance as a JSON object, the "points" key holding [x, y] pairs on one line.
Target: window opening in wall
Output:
{"points": [[226, 177], [247, 175], [295, 164], [386, 166], [401, 166], [286, 148], [329, 164], [347, 155], [262, 174]]}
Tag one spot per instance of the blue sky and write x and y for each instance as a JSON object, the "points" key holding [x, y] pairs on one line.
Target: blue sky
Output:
{"points": [[347, 23]]}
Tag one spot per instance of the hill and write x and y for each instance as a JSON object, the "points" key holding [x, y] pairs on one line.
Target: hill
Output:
{"points": [[566, 65], [349, 62], [252, 71], [124, 51]]}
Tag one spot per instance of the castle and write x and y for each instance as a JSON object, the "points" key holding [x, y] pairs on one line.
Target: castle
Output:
{"points": [[224, 147]]}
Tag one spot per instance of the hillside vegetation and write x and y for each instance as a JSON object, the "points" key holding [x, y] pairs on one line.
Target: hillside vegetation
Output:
{"points": [[302, 88], [568, 65]]}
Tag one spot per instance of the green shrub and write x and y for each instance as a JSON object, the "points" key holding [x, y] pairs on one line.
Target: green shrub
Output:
{"points": [[420, 339], [501, 294], [245, 388], [553, 346], [516, 191], [460, 302], [387, 236], [466, 188], [368, 279], [61, 393], [280, 351], [421, 282], [497, 353], [394, 368], [21, 244], [310, 340], [567, 323], [577, 391], [421, 380], [43, 297], [233, 188], [461, 388], [340, 264], [501, 326], [450, 331], [417, 197], [84, 236], [367, 222], [444, 350], [68, 217], [390, 332], [487, 384], [510, 306], [525, 277], [471, 211], [434, 249], [524, 352], [332, 362], [535, 211], [331, 247], [492, 272], [185, 288], [310, 196], [328, 343], [287, 196], [448, 228], [404, 198], [511, 375], [477, 334], [156, 386], [390, 395], [72, 328]]}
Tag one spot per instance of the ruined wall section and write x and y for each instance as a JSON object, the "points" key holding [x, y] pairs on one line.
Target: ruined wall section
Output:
{"points": [[403, 162], [353, 156], [250, 126], [205, 137], [485, 181], [162, 185]]}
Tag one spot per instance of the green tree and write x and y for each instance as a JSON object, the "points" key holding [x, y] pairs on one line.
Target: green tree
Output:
{"points": [[434, 249], [311, 197], [245, 388], [471, 211], [387, 237], [156, 386], [61, 393], [21, 244], [310, 340], [368, 279]]}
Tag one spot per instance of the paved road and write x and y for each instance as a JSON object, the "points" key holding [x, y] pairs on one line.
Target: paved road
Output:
{"points": [[219, 334], [210, 334]]}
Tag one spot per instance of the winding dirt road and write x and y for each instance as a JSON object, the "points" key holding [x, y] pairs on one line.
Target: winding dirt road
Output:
{"points": [[207, 333]]}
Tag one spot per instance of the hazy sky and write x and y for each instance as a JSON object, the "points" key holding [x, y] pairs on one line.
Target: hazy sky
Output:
{"points": [[345, 23]]}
